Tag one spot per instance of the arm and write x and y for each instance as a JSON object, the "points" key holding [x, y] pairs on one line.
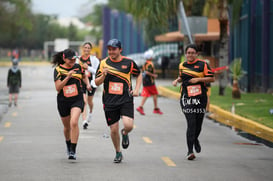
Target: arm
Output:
{"points": [[203, 79], [86, 81], [178, 80], [151, 74], [99, 80], [59, 84], [138, 84], [20, 79], [95, 63]]}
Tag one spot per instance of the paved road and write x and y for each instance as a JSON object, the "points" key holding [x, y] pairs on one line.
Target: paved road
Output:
{"points": [[32, 145]]}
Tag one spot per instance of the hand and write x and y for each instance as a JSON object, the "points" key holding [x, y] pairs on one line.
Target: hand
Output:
{"points": [[134, 93], [155, 75], [105, 70], [88, 87], [85, 66], [174, 82], [69, 74]]}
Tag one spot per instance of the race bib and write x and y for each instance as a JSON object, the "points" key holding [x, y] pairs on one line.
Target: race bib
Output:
{"points": [[116, 88], [194, 90], [70, 90]]}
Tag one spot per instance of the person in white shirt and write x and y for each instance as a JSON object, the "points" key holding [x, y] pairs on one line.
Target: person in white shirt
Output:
{"points": [[89, 63]]}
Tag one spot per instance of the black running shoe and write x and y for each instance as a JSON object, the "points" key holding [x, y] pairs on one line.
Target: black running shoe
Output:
{"points": [[72, 156], [190, 156], [85, 124], [125, 140], [118, 157], [197, 146]]}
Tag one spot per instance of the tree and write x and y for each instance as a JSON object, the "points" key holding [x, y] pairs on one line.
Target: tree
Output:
{"points": [[15, 15], [236, 73]]}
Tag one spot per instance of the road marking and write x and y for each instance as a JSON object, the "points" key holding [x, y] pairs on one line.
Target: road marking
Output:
{"points": [[14, 114], [7, 124], [1, 138], [168, 161], [147, 140]]}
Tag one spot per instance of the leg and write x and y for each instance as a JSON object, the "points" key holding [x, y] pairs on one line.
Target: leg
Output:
{"points": [[199, 122], [15, 99], [66, 123], [128, 124], [90, 103], [74, 119], [155, 101], [143, 101], [10, 99], [85, 107], [191, 128], [115, 136]]}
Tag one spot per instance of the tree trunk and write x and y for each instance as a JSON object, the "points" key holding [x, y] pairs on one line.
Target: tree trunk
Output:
{"points": [[236, 94], [223, 42]]}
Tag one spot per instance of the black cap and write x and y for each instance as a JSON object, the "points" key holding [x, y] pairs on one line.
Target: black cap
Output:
{"points": [[69, 53], [114, 43]]}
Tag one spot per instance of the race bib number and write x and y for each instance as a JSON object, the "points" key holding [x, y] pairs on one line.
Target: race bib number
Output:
{"points": [[70, 90], [194, 90], [116, 88]]}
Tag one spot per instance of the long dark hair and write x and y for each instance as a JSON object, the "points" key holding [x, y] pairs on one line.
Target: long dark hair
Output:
{"points": [[58, 58]]}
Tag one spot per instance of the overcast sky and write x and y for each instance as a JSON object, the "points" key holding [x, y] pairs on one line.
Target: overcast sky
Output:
{"points": [[64, 8]]}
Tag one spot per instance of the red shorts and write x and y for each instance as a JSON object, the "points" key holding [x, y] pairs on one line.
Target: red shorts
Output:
{"points": [[149, 90]]}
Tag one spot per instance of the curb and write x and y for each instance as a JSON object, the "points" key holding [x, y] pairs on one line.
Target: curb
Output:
{"points": [[228, 118]]}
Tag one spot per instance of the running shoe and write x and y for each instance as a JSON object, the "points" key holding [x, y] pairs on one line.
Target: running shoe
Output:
{"points": [[118, 157], [10, 104], [197, 146], [140, 110], [72, 155], [68, 151], [125, 140], [89, 118], [85, 124], [190, 156], [157, 111]]}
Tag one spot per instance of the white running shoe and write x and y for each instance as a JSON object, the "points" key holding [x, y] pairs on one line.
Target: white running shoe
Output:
{"points": [[89, 118]]}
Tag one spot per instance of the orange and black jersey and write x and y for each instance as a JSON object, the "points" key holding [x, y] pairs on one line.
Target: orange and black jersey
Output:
{"points": [[117, 83], [73, 88], [196, 69], [148, 67]]}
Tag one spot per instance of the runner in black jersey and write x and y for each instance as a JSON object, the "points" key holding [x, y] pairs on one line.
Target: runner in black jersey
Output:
{"points": [[115, 72], [68, 78], [194, 74], [90, 63], [149, 88]]}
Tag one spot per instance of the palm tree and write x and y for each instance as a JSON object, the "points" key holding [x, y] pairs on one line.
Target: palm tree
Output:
{"points": [[236, 73]]}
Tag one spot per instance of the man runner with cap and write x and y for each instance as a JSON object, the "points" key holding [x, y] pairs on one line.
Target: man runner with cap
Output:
{"points": [[115, 72]]}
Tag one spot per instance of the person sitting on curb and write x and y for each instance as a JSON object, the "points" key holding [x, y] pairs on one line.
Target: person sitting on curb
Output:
{"points": [[148, 80]]}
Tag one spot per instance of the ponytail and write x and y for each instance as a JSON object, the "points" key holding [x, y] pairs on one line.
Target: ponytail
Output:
{"points": [[58, 59]]}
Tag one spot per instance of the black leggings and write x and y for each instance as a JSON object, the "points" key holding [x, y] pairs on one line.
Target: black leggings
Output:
{"points": [[194, 115], [194, 126]]}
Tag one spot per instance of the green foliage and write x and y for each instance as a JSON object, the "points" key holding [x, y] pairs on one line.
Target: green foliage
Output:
{"points": [[236, 71]]}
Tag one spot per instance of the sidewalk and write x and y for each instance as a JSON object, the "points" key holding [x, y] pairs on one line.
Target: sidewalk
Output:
{"points": [[235, 121]]}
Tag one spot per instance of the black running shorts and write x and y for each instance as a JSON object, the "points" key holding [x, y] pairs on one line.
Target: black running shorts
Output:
{"points": [[89, 93], [113, 114], [64, 107]]}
